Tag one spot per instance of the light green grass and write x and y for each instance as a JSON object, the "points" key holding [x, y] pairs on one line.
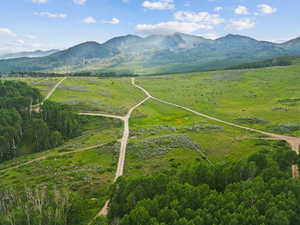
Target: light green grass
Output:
{"points": [[114, 96], [230, 95], [89, 174], [155, 121]]}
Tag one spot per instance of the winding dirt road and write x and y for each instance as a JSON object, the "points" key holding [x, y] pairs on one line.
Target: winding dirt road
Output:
{"points": [[124, 142], [294, 142]]}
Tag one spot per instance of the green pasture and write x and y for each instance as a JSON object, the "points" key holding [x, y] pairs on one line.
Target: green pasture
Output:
{"points": [[267, 99], [113, 96], [163, 136]]}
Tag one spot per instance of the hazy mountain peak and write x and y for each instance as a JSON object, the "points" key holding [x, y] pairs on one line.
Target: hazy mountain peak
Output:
{"points": [[85, 44], [123, 41], [177, 51], [236, 37], [295, 40]]}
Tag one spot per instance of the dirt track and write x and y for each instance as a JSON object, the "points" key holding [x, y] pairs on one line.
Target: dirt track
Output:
{"points": [[45, 157], [36, 107], [294, 142]]}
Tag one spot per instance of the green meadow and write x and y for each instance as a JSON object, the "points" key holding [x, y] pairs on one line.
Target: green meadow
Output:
{"points": [[113, 96], [267, 99], [161, 136]]}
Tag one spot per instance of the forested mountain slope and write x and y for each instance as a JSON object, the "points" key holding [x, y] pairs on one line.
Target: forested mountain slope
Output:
{"points": [[155, 54]]}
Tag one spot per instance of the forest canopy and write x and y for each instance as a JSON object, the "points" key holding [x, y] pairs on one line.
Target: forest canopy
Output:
{"points": [[258, 190], [37, 131]]}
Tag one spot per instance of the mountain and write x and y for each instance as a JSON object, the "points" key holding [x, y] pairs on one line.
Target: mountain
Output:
{"points": [[81, 52], [292, 46], [155, 54], [33, 54]]}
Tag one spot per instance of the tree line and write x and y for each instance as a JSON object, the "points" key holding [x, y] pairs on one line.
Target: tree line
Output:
{"points": [[20, 126], [257, 190], [75, 74], [281, 61]]}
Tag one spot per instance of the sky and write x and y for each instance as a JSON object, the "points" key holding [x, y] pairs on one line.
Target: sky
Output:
{"points": [[45, 24]]}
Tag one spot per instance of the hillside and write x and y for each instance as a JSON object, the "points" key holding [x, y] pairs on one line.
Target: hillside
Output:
{"points": [[155, 54]]}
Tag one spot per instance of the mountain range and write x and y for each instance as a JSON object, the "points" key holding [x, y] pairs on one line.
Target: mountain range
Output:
{"points": [[155, 54], [29, 54]]}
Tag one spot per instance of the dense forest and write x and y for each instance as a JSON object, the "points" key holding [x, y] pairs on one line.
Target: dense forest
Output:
{"points": [[41, 207], [258, 190], [21, 126], [281, 61]]}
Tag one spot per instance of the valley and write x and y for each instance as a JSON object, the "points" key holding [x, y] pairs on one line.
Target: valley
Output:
{"points": [[141, 126]]}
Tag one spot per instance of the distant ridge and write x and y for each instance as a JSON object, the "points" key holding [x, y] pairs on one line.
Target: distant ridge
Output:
{"points": [[155, 54], [29, 54]]}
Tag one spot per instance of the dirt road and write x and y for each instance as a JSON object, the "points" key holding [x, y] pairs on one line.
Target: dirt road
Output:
{"points": [[123, 142], [53, 89], [294, 142], [102, 115], [36, 107]]}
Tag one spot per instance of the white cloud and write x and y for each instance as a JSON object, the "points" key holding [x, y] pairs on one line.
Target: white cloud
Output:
{"points": [[169, 27], [185, 22], [7, 31], [241, 10], [79, 2], [89, 20], [39, 1], [204, 18], [218, 9], [51, 15], [159, 5], [266, 9], [241, 24], [31, 37], [112, 21], [21, 42]]}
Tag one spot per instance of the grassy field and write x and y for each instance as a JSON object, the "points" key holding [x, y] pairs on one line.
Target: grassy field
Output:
{"points": [[267, 99], [163, 136], [114, 96]]}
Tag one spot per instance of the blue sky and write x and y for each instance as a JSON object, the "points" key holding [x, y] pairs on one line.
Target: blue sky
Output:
{"points": [[44, 24]]}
